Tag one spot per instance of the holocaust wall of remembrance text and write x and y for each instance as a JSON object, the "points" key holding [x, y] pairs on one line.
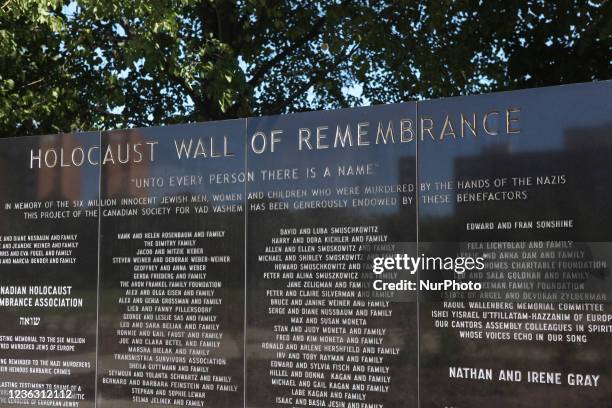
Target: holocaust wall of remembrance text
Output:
{"points": [[229, 264]]}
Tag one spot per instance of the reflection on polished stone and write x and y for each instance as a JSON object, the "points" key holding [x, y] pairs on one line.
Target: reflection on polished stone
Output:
{"points": [[534, 206], [233, 264]]}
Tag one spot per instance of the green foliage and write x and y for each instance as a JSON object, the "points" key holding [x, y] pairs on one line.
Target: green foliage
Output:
{"points": [[90, 64], [33, 69]]}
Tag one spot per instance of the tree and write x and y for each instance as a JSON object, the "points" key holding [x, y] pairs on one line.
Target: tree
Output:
{"points": [[33, 73], [89, 64]]}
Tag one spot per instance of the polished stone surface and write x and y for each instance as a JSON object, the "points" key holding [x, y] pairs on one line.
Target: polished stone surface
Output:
{"points": [[300, 343], [553, 166], [45, 246], [172, 274], [229, 264]]}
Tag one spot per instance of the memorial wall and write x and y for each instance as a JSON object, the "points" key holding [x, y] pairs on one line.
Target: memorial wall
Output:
{"points": [[230, 264]]}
